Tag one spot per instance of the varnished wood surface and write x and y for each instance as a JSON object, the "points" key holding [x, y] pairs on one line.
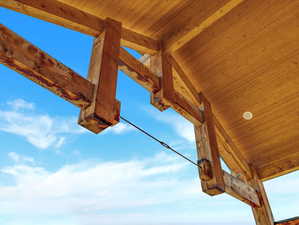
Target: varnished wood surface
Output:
{"points": [[30, 61], [249, 61], [156, 18], [246, 60]]}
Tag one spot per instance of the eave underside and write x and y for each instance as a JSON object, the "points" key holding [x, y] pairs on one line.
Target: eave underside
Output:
{"points": [[244, 60]]}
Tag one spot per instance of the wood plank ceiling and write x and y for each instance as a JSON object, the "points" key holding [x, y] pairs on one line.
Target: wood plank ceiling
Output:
{"points": [[246, 61]]}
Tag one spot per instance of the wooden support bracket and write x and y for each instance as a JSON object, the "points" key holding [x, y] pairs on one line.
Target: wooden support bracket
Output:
{"points": [[104, 109], [161, 65], [262, 214], [214, 180], [241, 190], [207, 149], [138, 71]]}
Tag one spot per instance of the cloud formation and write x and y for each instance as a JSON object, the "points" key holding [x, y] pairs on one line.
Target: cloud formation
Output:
{"points": [[17, 158], [181, 126], [119, 128], [107, 193], [40, 130]]}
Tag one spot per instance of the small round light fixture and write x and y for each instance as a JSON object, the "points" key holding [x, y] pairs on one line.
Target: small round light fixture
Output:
{"points": [[247, 115]]}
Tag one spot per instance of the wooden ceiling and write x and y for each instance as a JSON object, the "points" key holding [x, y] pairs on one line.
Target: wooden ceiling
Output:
{"points": [[247, 60], [242, 54]]}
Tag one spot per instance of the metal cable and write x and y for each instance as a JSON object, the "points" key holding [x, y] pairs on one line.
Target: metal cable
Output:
{"points": [[159, 141]]}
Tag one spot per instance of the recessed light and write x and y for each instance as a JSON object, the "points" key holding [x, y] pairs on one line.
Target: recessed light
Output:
{"points": [[247, 115]]}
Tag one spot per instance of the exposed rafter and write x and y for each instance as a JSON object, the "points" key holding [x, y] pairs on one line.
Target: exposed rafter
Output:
{"points": [[38, 66], [138, 71], [100, 109], [167, 96], [228, 149], [279, 167], [64, 15], [185, 35]]}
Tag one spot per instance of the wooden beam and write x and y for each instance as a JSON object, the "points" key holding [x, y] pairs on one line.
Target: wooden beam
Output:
{"points": [[155, 65], [279, 167], [240, 190], [262, 214], [186, 109], [28, 60], [168, 92], [167, 97], [104, 110], [138, 72], [183, 76], [227, 148], [231, 154], [291, 221], [73, 18], [207, 149], [181, 38]]}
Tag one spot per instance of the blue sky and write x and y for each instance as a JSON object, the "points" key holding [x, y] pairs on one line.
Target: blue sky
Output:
{"points": [[54, 172]]}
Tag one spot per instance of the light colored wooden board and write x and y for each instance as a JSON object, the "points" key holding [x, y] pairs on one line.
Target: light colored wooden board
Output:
{"points": [[246, 60], [74, 18], [155, 18], [249, 61], [240, 190]]}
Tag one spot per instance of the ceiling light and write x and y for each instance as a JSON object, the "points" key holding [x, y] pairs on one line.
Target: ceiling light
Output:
{"points": [[247, 115]]}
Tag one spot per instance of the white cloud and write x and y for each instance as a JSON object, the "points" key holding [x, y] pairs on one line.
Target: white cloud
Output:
{"points": [[180, 125], [157, 191], [42, 131], [20, 158], [21, 104], [119, 128]]}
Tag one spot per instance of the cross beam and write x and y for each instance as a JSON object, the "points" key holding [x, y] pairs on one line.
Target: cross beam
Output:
{"points": [[167, 96], [67, 16], [214, 180], [22, 56], [183, 36], [249, 188], [25, 58]]}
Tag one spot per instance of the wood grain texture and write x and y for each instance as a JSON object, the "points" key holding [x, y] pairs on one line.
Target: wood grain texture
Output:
{"points": [[74, 18], [263, 213], [103, 69], [186, 82], [228, 150], [249, 61], [246, 58], [167, 96], [207, 149], [23, 57], [138, 71], [240, 190], [183, 36]]}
